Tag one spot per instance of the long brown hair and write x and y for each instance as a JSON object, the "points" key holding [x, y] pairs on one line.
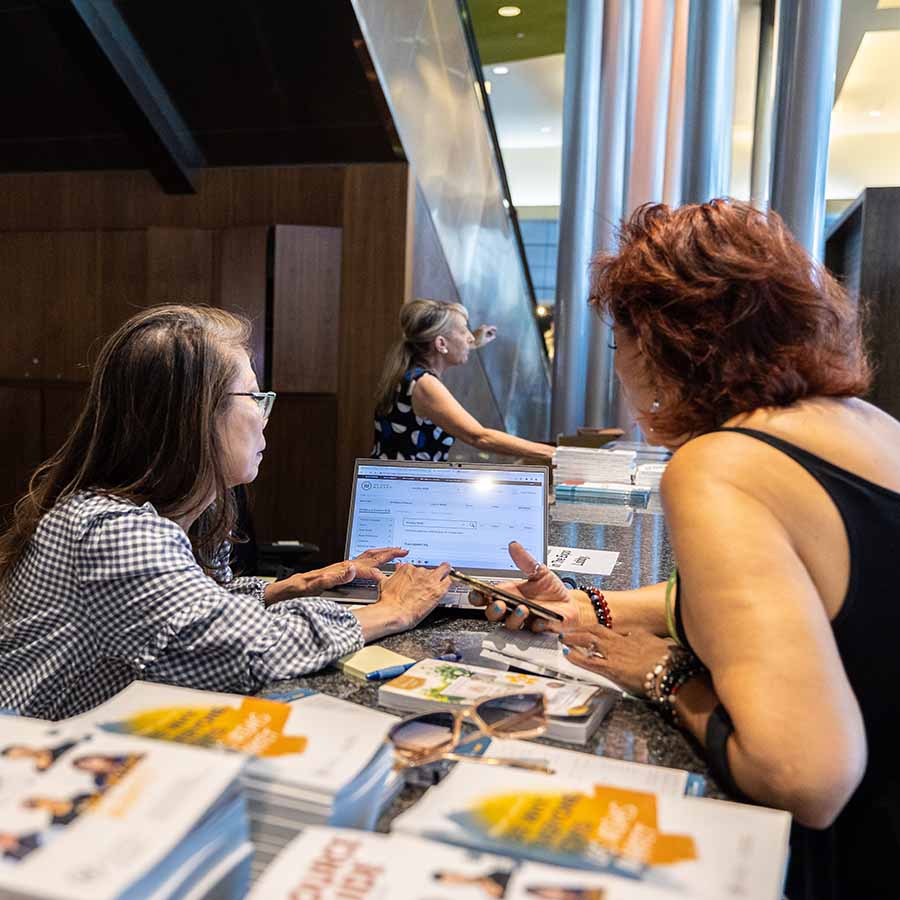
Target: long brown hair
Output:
{"points": [[729, 312], [421, 321], [147, 432]]}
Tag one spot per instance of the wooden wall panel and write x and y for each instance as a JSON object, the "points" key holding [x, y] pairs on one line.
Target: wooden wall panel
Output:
{"points": [[60, 405], [241, 284], [306, 309], [293, 496], [180, 265], [122, 287], [23, 258], [20, 450], [70, 304], [226, 197], [376, 278], [49, 304]]}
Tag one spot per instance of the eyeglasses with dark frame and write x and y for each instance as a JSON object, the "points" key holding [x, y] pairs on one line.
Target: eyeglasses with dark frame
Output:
{"points": [[430, 737], [265, 400]]}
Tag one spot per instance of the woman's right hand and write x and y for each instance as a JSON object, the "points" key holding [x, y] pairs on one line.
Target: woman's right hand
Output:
{"points": [[543, 586], [412, 592]]}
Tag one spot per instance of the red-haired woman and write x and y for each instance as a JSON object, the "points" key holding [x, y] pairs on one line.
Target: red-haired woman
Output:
{"points": [[777, 649]]}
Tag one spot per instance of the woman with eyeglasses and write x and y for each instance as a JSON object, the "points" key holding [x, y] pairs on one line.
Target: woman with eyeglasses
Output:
{"points": [[774, 643], [116, 565], [416, 415]]}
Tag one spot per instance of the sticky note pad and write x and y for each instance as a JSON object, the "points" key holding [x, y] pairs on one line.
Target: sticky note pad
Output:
{"points": [[370, 659]]}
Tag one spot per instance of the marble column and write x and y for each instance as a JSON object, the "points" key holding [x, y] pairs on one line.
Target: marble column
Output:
{"points": [[581, 111], [675, 122], [761, 162], [709, 102], [611, 167], [807, 55]]}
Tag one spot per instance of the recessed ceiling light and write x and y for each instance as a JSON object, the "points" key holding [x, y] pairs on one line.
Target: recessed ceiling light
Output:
{"points": [[509, 11], [545, 129], [542, 311], [874, 113], [500, 70], [520, 35]]}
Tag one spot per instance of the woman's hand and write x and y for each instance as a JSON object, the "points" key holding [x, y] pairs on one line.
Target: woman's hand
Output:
{"points": [[368, 562], [412, 592], [624, 658], [312, 583], [544, 587], [484, 334]]}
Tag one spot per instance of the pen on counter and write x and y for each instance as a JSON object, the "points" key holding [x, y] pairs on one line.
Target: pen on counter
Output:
{"points": [[394, 671]]}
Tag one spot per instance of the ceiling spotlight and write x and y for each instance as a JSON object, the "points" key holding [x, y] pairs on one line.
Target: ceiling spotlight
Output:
{"points": [[542, 311], [509, 11], [874, 113], [500, 70], [520, 35]]}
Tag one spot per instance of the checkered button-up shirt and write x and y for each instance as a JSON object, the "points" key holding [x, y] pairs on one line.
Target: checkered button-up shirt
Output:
{"points": [[108, 592]]}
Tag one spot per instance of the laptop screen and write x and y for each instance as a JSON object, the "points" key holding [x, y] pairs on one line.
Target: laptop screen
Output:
{"points": [[464, 516]]}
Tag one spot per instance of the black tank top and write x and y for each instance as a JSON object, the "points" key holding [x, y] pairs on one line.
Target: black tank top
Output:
{"points": [[857, 856]]}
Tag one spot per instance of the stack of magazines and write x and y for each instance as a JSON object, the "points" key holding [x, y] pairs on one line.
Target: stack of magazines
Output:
{"points": [[650, 474], [88, 814], [586, 464], [637, 829], [317, 760], [574, 710]]}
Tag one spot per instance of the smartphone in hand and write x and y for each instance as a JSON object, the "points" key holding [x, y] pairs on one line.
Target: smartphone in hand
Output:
{"points": [[510, 600]]}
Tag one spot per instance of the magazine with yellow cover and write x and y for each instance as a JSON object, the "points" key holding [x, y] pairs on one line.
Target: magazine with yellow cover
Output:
{"points": [[691, 846]]}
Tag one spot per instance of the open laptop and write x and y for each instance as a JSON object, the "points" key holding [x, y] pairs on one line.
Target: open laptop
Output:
{"points": [[462, 513]]}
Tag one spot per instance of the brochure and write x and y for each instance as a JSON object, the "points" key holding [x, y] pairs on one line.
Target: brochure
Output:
{"points": [[692, 846]]}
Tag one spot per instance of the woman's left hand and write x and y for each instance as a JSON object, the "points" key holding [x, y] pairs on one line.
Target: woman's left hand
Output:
{"points": [[624, 658], [366, 565], [484, 334]]}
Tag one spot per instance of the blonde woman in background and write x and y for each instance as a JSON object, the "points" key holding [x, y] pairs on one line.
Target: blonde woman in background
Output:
{"points": [[416, 416]]}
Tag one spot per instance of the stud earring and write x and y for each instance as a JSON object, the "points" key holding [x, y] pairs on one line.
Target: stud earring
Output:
{"points": [[654, 409]]}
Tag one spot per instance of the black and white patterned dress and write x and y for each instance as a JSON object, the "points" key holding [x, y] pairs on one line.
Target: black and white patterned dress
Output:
{"points": [[401, 434]]}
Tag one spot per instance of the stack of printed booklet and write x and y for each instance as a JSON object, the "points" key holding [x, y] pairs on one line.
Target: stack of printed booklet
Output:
{"points": [[315, 760], [595, 829], [89, 814], [165, 792], [574, 709]]}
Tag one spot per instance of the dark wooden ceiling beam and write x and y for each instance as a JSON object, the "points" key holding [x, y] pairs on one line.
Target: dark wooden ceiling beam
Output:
{"points": [[180, 156]]}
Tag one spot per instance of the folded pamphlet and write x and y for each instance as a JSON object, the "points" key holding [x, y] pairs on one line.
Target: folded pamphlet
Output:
{"points": [[541, 654]]}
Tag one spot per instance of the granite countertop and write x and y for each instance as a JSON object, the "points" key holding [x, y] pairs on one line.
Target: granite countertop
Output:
{"points": [[633, 730]]}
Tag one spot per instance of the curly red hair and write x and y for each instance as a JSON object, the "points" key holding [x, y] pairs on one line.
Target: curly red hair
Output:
{"points": [[729, 312]]}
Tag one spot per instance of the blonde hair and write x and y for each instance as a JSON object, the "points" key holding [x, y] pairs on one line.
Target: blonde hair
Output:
{"points": [[421, 321]]}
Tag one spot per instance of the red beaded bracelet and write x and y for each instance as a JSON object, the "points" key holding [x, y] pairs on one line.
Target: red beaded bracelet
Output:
{"points": [[599, 604]]}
